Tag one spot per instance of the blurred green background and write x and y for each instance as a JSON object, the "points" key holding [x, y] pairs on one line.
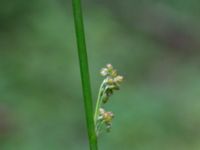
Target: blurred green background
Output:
{"points": [[154, 45]]}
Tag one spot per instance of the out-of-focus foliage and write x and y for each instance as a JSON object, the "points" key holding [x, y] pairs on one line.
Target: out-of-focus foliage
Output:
{"points": [[154, 44]]}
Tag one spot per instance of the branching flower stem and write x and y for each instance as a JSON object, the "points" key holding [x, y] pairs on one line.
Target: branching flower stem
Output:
{"points": [[99, 102], [102, 118]]}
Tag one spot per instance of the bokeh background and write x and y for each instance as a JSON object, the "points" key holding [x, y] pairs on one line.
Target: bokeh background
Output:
{"points": [[154, 45]]}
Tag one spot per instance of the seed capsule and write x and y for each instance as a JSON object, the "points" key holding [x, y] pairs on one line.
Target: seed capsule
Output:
{"points": [[105, 98]]}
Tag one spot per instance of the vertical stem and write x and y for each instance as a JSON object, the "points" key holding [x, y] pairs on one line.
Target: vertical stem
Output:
{"points": [[84, 69]]}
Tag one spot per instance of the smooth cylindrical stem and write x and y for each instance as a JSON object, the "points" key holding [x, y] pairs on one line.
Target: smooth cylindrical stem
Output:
{"points": [[84, 69]]}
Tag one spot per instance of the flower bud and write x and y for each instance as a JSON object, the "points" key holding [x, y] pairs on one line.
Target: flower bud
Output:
{"points": [[105, 98], [109, 91]]}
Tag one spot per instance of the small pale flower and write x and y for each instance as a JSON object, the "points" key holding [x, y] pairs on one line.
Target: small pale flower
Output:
{"points": [[118, 79], [109, 66], [107, 117], [101, 111], [104, 71]]}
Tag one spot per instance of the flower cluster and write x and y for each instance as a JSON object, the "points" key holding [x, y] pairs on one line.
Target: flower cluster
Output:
{"points": [[112, 81], [106, 118]]}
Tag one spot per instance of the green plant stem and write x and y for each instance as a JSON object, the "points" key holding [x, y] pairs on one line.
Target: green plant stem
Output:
{"points": [[99, 127], [98, 103], [84, 69]]}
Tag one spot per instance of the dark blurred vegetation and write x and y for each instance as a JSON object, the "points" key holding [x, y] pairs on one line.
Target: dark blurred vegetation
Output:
{"points": [[154, 44]]}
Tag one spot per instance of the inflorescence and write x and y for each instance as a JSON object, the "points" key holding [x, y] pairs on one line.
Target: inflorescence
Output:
{"points": [[103, 119]]}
